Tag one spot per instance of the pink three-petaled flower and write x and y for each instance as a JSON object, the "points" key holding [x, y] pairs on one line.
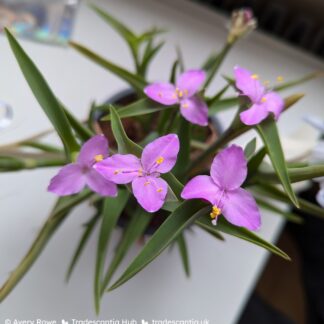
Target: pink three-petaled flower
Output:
{"points": [[263, 100], [148, 188], [223, 189], [185, 93]]}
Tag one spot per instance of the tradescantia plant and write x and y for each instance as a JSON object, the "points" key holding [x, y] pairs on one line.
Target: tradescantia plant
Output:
{"points": [[173, 176]]}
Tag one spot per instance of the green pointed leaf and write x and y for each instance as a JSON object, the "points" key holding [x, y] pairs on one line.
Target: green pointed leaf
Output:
{"points": [[117, 25], [60, 212], [213, 64], [244, 234], [125, 145], [134, 80], [305, 78], [250, 149], [284, 213], [255, 161], [44, 95], [81, 130], [273, 192], [181, 242], [134, 230], [89, 227], [112, 209], [223, 104], [177, 221], [217, 96], [184, 134], [296, 174], [137, 108], [269, 134], [148, 56]]}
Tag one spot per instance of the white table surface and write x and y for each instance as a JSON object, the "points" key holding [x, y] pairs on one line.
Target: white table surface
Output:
{"points": [[223, 274]]}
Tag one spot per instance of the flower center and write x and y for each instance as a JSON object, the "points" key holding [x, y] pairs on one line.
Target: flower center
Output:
{"points": [[280, 78], [255, 76], [263, 99], [98, 157], [159, 160], [181, 93], [216, 211]]}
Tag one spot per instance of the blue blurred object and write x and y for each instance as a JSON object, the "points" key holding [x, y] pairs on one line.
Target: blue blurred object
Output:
{"points": [[44, 21]]}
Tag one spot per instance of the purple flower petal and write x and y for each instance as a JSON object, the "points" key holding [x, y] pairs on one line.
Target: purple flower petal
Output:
{"points": [[248, 84], [150, 192], [229, 168], [95, 146], [241, 209], [201, 187], [190, 82], [161, 154], [254, 115], [194, 110], [274, 103], [164, 93], [70, 180], [119, 168], [100, 185]]}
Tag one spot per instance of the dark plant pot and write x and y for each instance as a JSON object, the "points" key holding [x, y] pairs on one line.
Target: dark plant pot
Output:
{"points": [[136, 133]]}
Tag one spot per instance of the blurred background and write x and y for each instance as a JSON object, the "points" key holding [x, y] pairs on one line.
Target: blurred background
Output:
{"points": [[299, 22]]}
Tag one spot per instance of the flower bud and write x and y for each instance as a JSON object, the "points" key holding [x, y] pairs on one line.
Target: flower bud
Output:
{"points": [[242, 23]]}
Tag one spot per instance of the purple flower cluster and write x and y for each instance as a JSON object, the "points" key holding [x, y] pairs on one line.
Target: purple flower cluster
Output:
{"points": [[101, 173]]}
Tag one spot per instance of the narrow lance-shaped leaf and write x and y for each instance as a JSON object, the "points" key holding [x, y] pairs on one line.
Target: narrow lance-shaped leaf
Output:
{"points": [[44, 95], [250, 149], [134, 230], [269, 134], [296, 174], [112, 209], [137, 108], [182, 245], [177, 221], [184, 153], [244, 234], [89, 227], [273, 192], [134, 80], [284, 213], [58, 215]]}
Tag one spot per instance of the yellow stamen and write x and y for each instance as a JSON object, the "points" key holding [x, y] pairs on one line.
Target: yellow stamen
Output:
{"points": [[255, 76], [146, 183], [159, 160], [264, 99], [215, 212], [280, 78], [140, 172], [185, 105], [98, 157], [159, 190], [116, 172], [179, 93]]}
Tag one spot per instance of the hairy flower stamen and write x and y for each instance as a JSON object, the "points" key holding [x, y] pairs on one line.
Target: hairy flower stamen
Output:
{"points": [[98, 157], [159, 160]]}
